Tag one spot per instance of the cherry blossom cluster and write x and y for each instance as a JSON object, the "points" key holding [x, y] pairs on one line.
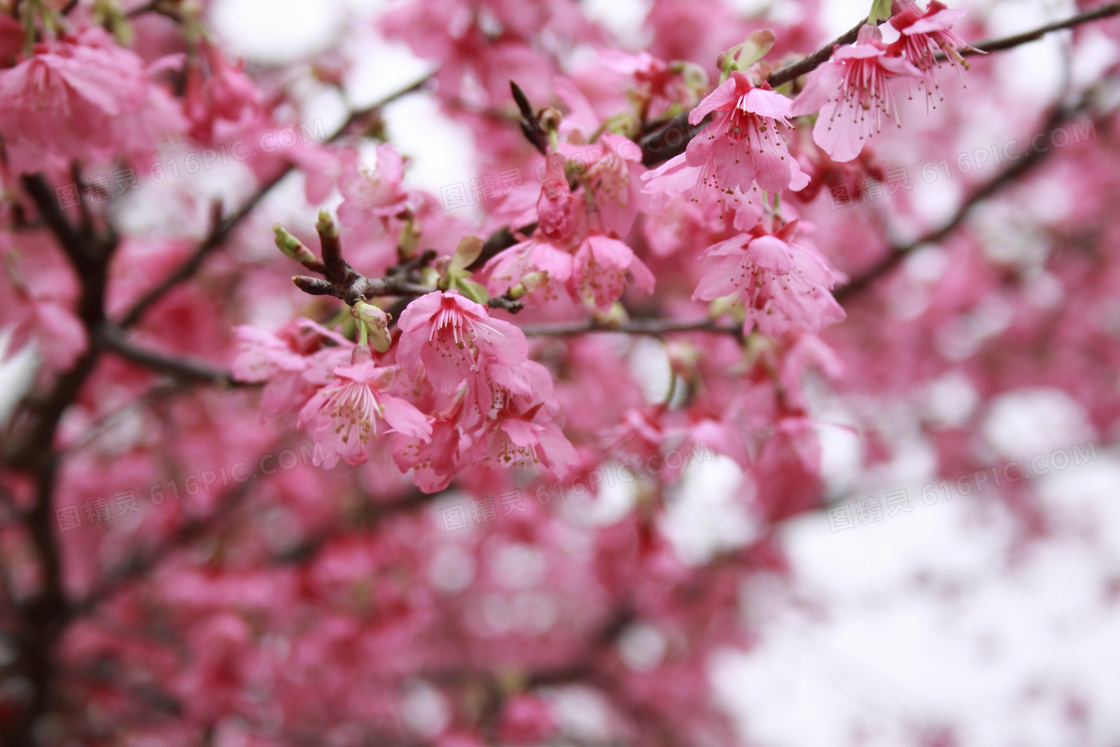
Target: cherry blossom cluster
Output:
{"points": [[677, 285]]}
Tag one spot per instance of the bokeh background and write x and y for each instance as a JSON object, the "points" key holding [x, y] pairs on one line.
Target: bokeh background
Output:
{"points": [[939, 617]]}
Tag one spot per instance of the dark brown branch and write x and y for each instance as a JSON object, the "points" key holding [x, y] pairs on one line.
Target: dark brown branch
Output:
{"points": [[183, 369], [29, 448], [671, 137], [73, 243], [192, 530], [816, 59], [161, 7], [506, 303], [531, 124], [1008, 177], [651, 327], [1009, 42], [498, 242]]}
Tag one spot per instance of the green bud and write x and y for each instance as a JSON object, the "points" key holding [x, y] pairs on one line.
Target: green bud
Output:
{"points": [[880, 11], [756, 47], [376, 324], [533, 280], [291, 246], [326, 226], [470, 289]]}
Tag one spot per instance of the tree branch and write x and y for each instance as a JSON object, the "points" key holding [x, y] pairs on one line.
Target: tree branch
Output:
{"points": [[183, 369], [374, 513], [29, 448], [223, 229], [1005, 178], [1009, 42], [816, 59], [191, 530], [651, 327], [670, 138]]}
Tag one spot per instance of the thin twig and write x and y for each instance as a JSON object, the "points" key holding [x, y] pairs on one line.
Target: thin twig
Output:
{"points": [[225, 228], [165, 388], [815, 60], [182, 368], [1009, 42], [190, 531], [1005, 178], [672, 137], [651, 327]]}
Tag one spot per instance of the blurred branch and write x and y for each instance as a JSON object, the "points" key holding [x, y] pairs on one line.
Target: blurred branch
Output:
{"points": [[150, 697], [193, 529], [74, 244], [181, 368], [1008, 177], [29, 448], [1009, 42], [670, 137], [375, 513], [225, 227], [157, 392]]}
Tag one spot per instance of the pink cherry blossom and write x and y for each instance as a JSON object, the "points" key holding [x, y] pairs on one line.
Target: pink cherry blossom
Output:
{"points": [[37, 298], [783, 286], [83, 97], [852, 93], [639, 435], [658, 84], [11, 38], [612, 170], [563, 523], [517, 428], [744, 144], [551, 265], [923, 35], [448, 336], [222, 92], [557, 208], [603, 267], [526, 720], [675, 178], [370, 195], [59, 334], [343, 415], [291, 364]]}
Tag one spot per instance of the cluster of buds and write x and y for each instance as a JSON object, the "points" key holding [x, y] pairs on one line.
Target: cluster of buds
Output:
{"points": [[423, 273]]}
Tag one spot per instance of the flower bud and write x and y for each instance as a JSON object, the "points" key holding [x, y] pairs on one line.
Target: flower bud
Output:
{"points": [[326, 226], [291, 246], [533, 280], [376, 323]]}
